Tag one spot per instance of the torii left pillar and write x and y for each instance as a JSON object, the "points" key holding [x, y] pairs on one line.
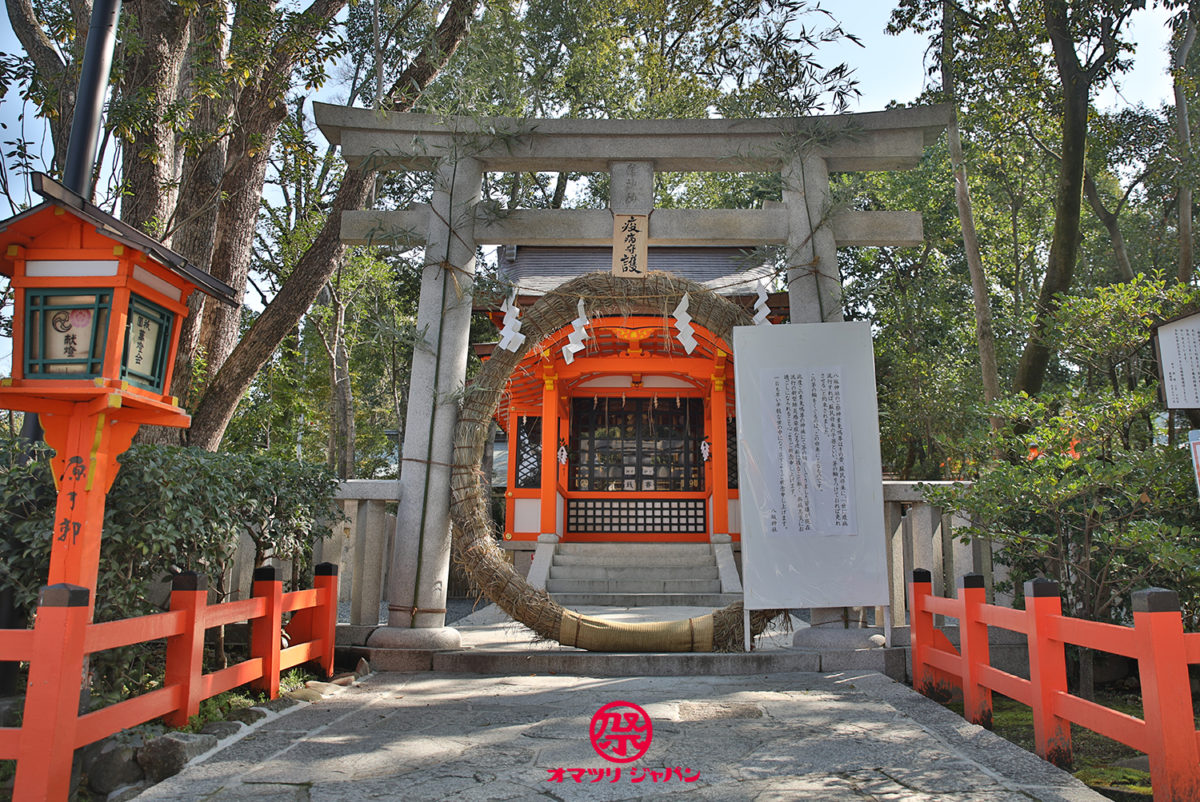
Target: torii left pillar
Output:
{"points": [[416, 592]]}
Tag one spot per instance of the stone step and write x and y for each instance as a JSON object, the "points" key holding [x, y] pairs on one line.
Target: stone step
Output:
{"points": [[642, 550], [635, 560], [633, 586], [713, 600], [708, 571]]}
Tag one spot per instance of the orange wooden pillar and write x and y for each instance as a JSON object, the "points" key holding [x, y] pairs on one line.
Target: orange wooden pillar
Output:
{"points": [[1166, 696], [510, 484], [52, 695], [185, 651], [920, 586], [1047, 672], [87, 443], [720, 459], [266, 632], [549, 494], [973, 646], [324, 617]]}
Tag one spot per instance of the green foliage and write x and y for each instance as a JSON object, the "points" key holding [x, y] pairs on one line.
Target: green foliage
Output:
{"points": [[1084, 483], [218, 708], [169, 510]]}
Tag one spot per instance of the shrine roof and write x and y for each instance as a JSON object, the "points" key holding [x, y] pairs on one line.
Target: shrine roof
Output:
{"points": [[638, 346]]}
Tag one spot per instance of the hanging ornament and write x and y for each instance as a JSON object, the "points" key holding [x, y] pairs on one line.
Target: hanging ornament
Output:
{"points": [[761, 310], [562, 453], [683, 322], [511, 337], [577, 336], [705, 450]]}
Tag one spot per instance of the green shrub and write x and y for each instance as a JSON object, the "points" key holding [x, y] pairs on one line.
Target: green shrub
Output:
{"points": [[169, 510]]}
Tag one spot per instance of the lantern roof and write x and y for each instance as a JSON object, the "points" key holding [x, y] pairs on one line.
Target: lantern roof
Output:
{"points": [[57, 195]]}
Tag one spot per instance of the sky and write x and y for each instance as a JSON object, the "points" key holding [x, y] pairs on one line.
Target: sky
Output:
{"points": [[888, 68]]}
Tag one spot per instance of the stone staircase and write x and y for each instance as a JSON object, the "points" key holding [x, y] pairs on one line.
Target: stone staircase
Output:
{"points": [[636, 575]]}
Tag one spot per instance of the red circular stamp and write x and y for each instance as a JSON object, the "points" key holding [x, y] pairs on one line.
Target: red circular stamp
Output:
{"points": [[621, 732]]}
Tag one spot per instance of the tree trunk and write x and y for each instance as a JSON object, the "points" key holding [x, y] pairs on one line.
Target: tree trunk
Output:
{"points": [[151, 81], [62, 79], [1068, 201], [1087, 674], [1185, 266], [1110, 221], [341, 397], [311, 273], [343, 414], [984, 334], [317, 264]]}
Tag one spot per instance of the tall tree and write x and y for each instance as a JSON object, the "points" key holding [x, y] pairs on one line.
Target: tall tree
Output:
{"points": [[201, 94], [1185, 39], [1093, 28], [984, 334]]}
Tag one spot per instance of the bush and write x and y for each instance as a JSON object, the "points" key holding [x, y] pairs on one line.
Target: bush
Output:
{"points": [[169, 510], [1081, 501]]}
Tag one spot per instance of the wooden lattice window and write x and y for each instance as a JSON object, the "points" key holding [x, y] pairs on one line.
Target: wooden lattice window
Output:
{"points": [[608, 516], [529, 452], [635, 445]]}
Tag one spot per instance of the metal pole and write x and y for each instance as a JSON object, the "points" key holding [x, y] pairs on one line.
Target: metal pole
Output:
{"points": [[89, 99], [85, 127]]}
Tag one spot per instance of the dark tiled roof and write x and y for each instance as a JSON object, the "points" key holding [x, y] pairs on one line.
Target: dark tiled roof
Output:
{"points": [[727, 271]]}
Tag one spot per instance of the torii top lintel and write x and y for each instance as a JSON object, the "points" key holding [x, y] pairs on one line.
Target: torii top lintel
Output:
{"points": [[881, 140]]}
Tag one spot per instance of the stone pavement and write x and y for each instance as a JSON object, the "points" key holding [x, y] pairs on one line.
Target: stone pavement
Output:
{"points": [[428, 736]]}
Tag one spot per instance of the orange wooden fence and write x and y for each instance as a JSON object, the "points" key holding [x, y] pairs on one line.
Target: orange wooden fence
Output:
{"points": [[52, 727], [1167, 731]]}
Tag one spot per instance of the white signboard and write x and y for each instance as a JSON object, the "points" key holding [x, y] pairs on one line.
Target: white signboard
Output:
{"points": [[1178, 345], [808, 466]]}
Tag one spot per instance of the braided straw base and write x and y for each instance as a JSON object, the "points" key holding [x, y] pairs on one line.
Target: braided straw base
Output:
{"points": [[475, 547]]}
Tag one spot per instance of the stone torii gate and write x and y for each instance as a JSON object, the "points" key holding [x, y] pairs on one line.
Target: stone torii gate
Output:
{"points": [[458, 150]]}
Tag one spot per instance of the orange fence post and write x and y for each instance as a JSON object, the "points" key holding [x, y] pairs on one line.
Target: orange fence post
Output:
{"points": [[52, 696], [325, 616], [973, 645], [1166, 696], [1047, 673], [185, 651], [266, 632], [920, 585]]}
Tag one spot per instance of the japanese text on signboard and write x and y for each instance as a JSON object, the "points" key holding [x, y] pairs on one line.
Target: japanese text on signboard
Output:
{"points": [[1179, 358], [815, 484]]}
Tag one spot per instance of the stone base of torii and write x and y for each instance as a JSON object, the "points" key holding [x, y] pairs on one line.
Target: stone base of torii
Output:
{"points": [[458, 150]]}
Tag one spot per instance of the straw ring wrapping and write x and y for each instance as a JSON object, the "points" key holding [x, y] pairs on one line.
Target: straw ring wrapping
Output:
{"points": [[475, 548]]}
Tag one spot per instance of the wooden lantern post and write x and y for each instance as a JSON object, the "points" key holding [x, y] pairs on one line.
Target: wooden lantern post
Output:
{"points": [[98, 312]]}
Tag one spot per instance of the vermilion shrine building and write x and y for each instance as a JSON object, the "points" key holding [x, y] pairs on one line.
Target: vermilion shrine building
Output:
{"points": [[634, 439]]}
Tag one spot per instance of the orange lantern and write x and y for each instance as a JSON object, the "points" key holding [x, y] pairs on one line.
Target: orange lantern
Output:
{"points": [[96, 324]]}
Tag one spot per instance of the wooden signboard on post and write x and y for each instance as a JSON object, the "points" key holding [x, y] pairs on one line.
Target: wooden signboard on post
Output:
{"points": [[1177, 348]]}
